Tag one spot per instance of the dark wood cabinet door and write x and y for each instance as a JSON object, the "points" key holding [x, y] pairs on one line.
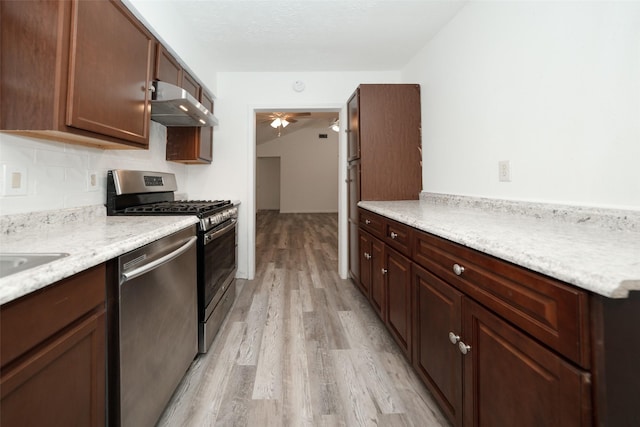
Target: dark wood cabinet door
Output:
{"points": [[377, 290], [438, 308], [109, 73], [390, 141], [353, 195], [63, 384], [53, 369], [511, 380], [205, 145], [184, 144], [364, 262], [354, 253], [353, 126], [33, 38], [167, 69], [398, 298], [190, 85], [438, 312]]}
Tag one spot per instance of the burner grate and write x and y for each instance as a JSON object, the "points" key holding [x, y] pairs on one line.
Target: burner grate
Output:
{"points": [[196, 207]]}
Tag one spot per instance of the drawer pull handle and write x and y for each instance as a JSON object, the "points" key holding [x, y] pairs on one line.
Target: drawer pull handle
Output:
{"points": [[454, 338], [464, 349], [458, 269], [367, 256], [384, 271], [366, 221], [393, 235]]}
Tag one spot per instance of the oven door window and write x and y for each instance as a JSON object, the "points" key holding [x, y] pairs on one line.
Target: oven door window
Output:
{"points": [[219, 260]]}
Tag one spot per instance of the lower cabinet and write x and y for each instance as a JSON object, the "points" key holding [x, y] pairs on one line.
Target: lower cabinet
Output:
{"points": [[510, 379], [371, 271], [436, 358], [385, 278], [365, 263], [53, 354], [496, 344], [397, 272]]}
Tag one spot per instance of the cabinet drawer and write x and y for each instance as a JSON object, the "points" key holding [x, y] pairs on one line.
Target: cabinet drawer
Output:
{"points": [[398, 236], [33, 318], [551, 311], [371, 222]]}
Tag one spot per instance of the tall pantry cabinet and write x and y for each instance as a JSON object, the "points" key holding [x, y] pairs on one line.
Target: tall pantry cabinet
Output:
{"points": [[384, 152]]}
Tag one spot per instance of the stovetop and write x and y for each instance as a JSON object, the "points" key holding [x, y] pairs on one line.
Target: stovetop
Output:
{"points": [[152, 193], [201, 208]]}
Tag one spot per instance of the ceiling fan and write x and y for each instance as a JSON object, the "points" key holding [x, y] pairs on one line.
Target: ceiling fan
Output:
{"points": [[282, 119]]}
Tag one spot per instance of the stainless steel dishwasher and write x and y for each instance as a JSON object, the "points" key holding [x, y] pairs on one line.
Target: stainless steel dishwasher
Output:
{"points": [[157, 325]]}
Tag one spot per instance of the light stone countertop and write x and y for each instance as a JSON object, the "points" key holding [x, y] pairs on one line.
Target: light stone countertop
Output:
{"points": [[86, 234], [593, 249]]}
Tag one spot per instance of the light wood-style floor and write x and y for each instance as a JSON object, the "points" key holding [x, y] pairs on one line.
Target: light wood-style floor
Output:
{"points": [[301, 347]]}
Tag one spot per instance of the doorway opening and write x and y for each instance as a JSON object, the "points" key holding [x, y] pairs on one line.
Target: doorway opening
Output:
{"points": [[305, 156]]}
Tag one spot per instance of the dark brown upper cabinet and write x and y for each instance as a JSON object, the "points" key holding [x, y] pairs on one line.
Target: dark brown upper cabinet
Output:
{"points": [[192, 145], [384, 132], [76, 71], [190, 85], [167, 68]]}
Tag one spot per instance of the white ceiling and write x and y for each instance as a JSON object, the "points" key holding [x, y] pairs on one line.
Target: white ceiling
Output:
{"points": [[312, 35]]}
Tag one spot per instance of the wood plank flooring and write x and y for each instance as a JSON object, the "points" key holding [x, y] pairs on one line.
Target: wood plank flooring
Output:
{"points": [[301, 347]]}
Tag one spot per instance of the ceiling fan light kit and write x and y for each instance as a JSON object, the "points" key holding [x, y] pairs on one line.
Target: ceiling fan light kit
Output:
{"points": [[279, 122]]}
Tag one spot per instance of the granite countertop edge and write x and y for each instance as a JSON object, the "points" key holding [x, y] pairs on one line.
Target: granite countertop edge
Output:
{"points": [[602, 260], [90, 238]]}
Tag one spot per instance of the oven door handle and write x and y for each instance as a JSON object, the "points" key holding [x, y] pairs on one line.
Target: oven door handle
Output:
{"points": [[209, 237], [157, 263]]}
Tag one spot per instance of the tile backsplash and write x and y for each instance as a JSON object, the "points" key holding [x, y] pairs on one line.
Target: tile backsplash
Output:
{"points": [[60, 175]]}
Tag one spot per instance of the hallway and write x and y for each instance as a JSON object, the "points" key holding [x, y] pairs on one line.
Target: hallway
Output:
{"points": [[301, 346]]}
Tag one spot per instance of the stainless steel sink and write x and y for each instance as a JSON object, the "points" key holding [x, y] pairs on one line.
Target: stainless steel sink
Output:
{"points": [[11, 263]]}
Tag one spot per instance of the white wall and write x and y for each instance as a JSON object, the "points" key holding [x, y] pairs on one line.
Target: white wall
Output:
{"points": [[232, 173], [268, 183], [174, 33], [309, 169], [554, 87], [58, 174]]}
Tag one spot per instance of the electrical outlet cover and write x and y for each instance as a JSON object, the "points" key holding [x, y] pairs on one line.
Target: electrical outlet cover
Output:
{"points": [[504, 171], [14, 180], [92, 181]]}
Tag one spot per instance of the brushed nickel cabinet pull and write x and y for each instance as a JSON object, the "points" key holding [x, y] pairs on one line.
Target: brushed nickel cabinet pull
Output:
{"points": [[464, 349], [458, 269], [454, 338]]}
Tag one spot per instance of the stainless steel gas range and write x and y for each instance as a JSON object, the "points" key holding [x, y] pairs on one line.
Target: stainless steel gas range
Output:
{"points": [[152, 193]]}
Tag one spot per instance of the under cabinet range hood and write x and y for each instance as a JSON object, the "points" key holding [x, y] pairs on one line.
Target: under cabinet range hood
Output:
{"points": [[173, 106]]}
